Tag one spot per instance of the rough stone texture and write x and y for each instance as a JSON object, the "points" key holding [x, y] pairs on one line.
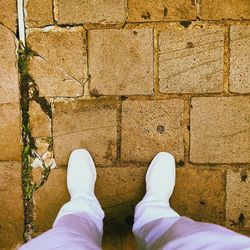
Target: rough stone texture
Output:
{"points": [[240, 59], [53, 81], [121, 62], [88, 124], [8, 14], [53, 70], [151, 126], [118, 190], [191, 60], [8, 71], [220, 130], [40, 124], [224, 9], [39, 13], [10, 132], [11, 203], [55, 193], [238, 197], [144, 11], [97, 11], [200, 194]]}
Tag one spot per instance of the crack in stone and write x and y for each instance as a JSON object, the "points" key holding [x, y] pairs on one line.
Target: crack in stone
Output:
{"points": [[58, 68], [196, 46], [190, 54], [1, 23], [191, 68]]}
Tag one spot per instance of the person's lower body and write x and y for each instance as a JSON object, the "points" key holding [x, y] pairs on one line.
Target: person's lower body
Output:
{"points": [[79, 223], [157, 226], [72, 231], [171, 232]]}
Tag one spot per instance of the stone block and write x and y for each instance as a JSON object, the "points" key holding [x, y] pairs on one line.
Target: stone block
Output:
{"points": [[8, 14], [55, 193], [11, 203], [123, 66], [40, 123], [200, 194], [149, 127], [146, 11], [118, 189], [220, 130], [191, 60], [86, 124], [224, 9], [120, 185], [39, 13], [238, 196], [53, 69], [10, 132], [97, 11], [240, 59], [9, 87]]}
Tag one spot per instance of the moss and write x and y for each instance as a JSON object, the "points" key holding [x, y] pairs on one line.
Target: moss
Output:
{"points": [[28, 141], [45, 176]]}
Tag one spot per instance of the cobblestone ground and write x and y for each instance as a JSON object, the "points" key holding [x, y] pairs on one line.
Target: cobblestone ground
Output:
{"points": [[124, 79]]}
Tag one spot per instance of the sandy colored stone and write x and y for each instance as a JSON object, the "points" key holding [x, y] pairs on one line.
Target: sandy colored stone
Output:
{"points": [[43, 145], [8, 14], [10, 132], [86, 124], [149, 127], [200, 194], [55, 193], [118, 190], [119, 185], [37, 174], [191, 60], [224, 9], [238, 197], [40, 124], [240, 59], [53, 81], [121, 61], [11, 203], [9, 87], [54, 71], [39, 13], [145, 11], [97, 11], [220, 130]]}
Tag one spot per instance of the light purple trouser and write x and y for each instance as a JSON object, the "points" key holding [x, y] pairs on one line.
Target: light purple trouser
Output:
{"points": [[78, 231]]}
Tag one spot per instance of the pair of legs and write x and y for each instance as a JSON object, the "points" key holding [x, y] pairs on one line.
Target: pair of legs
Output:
{"points": [[79, 224]]}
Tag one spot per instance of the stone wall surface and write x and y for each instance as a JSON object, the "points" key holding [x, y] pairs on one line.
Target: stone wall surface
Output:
{"points": [[8, 14], [125, 80], [11, 200]]}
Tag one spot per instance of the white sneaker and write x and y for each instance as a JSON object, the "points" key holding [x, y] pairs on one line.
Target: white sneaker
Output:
{"points": [[81, 174], [160, 177], [160, 182], [81, 177]]}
